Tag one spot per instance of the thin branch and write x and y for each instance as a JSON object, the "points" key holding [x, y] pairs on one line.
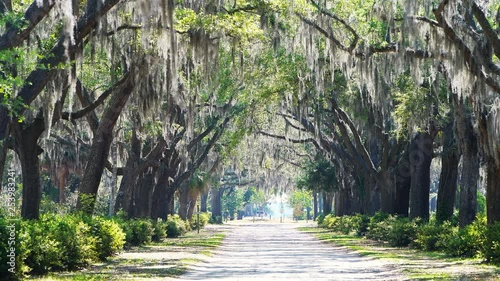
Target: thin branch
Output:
{"points": [[355, 40], [474, 66], [91, 107], [308, 140], [487, 28], [123, 27], [14, 37], [324, 32]]}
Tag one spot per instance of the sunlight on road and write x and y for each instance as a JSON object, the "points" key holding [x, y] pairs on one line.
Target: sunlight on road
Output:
{"points": [[267, 250]]}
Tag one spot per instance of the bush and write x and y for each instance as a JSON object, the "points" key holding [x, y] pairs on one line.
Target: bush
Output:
{"points": [[329, 221], [492, 247], [19, 250], [399, 232], [215, 220], [475, 240], [78, 247], [160, 230], [137, 231], [58, 242], [204, 218], [320, 218], [432, 236], [175, 226], [466, 242], [109, 236], [357, 224]]}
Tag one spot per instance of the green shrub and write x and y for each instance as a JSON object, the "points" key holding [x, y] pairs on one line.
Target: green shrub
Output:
{"points": [[432, 236], [320, 219], [492, 243], [160, 230], [137, 231], [57, 242], [42, 250], [175, 226], [466, 242], [204, 218], [215, 220], [399, 232], [78, 247], [109, 236], [329, 221], [357, 224], [18, 244]]}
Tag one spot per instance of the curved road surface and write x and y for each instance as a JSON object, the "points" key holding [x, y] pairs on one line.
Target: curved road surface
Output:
{"points": [[264, 251]]}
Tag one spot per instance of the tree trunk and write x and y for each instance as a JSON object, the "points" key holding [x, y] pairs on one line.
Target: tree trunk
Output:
{"points": [[144, 195], [493, 190], [402, 180], [468, 188], [216, 195], [28, 150], [449, 174], [163, 195], [193, 197], [124, 196], [130, 176], [387, 193], [184, 202], [3, 154], [468, 144], [421, 152], [343, 202], [315, 204], [204, 201], [101, 143], [327, 202], [488, 126]]}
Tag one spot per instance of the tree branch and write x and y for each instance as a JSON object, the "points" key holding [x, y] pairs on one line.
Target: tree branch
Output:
{"points": [[14, 37]]}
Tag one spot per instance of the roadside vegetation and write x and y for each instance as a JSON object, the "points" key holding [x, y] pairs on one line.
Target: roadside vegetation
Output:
{"points": [[75, 241], [422, 250]]}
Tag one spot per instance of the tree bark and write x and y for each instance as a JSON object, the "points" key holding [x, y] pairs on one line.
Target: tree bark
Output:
{"points": [[402, 180], [421, 152], [193, 197], [343, 202], [3, 149], [144, 196], [315, 204], [387, 193], [327, 202], [204, 201], [160, 194], [103, 138], [449, 175], [493, 190], [216, 195], [468, 145], [27, 148], [184, 201], [130, 176]]}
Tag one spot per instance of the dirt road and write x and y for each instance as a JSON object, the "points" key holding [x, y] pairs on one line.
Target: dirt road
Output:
{"points": [[264, 251]]}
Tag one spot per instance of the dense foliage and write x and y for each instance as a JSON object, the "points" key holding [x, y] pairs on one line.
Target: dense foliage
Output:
{"points": [[477, 240], [74, 241]]}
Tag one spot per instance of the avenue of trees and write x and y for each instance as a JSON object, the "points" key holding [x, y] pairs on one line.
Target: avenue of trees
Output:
{"points": [[153, 102]]}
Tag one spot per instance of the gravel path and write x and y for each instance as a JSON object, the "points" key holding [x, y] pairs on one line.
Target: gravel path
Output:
{"points": [[263, 251]]}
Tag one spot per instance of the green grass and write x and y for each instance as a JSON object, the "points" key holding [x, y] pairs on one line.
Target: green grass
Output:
{"points": [[415, 264], [187, 241]]}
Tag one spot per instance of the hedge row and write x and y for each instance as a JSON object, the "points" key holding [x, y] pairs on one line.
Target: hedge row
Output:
{"points": [[476, 240], [70, 242], [56, 242]]}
